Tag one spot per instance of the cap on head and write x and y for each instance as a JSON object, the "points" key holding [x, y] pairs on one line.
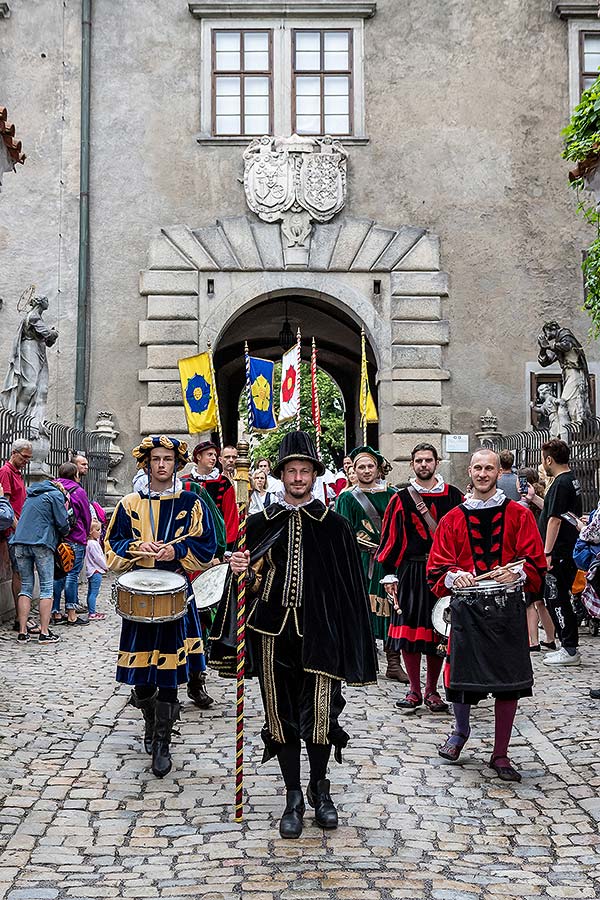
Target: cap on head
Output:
{"points": [[201, 447], [143, 450]]}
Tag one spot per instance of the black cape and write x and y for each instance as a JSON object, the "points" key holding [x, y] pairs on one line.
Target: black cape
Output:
{"points": [[337, 633]]}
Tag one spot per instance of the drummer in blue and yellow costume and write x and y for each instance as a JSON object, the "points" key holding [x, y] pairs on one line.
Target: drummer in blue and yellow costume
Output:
{"points": [[175, 528]]}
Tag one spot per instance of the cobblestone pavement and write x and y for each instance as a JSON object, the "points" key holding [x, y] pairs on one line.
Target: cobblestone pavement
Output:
{"points": [[82, 817]]}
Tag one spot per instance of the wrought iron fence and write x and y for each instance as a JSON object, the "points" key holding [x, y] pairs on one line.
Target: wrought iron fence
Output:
{"points": [[584, 442], [64, 441]]}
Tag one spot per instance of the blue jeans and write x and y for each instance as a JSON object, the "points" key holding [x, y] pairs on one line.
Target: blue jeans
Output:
{"points": [[94, 582], [28, 555], [70, 583]]}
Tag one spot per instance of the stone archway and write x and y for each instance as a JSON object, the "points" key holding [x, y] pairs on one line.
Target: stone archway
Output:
{"points": [[339, 351], [387, 279]]}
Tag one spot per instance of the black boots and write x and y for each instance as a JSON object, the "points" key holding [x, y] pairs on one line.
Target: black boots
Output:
{"points": [[196, 690], [147, 705], [325, 812], [290, 825], [166, 714]]}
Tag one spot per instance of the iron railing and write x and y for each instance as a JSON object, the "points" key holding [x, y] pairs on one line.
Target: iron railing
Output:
{"points": [[584, 442], [64, 441]]}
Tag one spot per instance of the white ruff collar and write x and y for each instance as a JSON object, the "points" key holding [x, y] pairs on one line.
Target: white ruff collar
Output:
{"points": [[212, 476], [280, 499], [497, 500]]}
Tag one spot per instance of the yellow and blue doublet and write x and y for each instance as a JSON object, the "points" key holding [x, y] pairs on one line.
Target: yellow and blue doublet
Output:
{"points": [[166, 653]]}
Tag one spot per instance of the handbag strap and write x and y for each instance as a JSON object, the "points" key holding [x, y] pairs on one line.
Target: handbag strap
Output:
{"points": [[416, 499]]}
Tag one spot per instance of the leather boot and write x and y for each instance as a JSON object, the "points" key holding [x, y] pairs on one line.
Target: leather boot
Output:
{"points": [[394, 667], [148, 707], [196, 690], [290, 825], [325, 812], [166, 714]]}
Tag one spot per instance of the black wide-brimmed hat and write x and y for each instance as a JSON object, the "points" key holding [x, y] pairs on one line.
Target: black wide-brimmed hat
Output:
{"points": [[297, 445]]}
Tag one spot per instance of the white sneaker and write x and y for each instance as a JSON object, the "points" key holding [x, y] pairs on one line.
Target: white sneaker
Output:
{"points": [[562, 658]]}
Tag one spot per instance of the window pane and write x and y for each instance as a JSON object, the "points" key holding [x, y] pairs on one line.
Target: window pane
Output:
{"points": [[256, 106], [257, 87], [256, 41], [337, 125], [228, 125], [228, 106], [591, 43], [308, 62], [227, 40], [308, 40], [588, 82], [257, 124], [308, 85], [256, 62], [308, 124], [336, 105], [228, 62], [337, 85], [336, 51], [308, 106], [591, 62], [227, 87]]}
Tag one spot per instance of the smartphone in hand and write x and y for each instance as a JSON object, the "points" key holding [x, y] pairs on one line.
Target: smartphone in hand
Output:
{"points": [[523, 484]]}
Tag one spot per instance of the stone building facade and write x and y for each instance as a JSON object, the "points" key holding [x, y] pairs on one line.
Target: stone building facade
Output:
{"points": [[457, 237]]}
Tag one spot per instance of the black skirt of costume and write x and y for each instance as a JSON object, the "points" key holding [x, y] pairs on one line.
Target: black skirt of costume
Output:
{"points": [[489, 649], [412, 629], [165, 654]]}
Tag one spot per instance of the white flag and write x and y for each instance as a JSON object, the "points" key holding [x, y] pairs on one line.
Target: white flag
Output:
{"points": [[289, 395]]}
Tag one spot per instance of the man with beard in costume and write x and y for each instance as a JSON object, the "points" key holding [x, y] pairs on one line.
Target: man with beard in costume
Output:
{"points": [[308, 628], [489, 647], [410, 522]]}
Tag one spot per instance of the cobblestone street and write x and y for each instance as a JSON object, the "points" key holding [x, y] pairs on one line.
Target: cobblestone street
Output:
{"points": [[84, 818]]}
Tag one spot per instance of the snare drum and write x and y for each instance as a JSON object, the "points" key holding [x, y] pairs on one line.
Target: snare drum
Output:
{"points": [[208, 586], [150, 595]]}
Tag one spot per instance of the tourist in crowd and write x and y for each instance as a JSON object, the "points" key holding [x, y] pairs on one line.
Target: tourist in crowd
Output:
{"points": [[79, 503], [80, 461], [560, 536], [260, 497], [273, 484], [43, 522], [586, 552], [508, 482], [95, 567], [13, 485]]}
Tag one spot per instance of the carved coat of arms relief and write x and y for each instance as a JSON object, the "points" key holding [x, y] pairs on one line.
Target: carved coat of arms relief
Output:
{"points": [[295, 180]]}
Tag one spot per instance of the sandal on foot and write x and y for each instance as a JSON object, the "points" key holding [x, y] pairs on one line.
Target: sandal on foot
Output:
{"points": [[451, 750], [96, 617], [435, 704], [411, 701], [503, 769]]}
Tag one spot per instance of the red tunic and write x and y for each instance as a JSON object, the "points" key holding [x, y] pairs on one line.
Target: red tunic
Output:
{"points": [[222, 492], [479, 539]]}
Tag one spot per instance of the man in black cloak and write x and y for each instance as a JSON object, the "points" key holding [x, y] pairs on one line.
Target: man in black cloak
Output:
{"points": [[309, 628]]}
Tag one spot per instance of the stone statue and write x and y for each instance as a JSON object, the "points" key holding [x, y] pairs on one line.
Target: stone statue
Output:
{"points": [[552, 412], [561, 346], [26, 385]]}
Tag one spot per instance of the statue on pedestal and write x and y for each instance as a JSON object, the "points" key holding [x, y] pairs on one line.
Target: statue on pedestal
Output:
{"points": [[26, 385], [561, 346]]}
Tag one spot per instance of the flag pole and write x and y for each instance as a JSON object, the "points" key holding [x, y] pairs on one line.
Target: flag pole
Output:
{"points": [[315, 396], [214, 381], [299, 349], [242, 469], [364, 384], [249, 414]]}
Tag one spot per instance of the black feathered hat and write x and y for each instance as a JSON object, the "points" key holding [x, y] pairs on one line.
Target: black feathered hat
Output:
{"points": [[297, 445]]}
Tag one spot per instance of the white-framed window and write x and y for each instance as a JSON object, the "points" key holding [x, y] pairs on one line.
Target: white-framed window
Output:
{"points": [[584, 56], [311, 78]]}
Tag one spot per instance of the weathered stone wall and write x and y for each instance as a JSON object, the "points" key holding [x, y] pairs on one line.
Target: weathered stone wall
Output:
{"points": [[464, 107]]}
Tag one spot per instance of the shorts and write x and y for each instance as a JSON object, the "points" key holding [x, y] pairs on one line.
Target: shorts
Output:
{"points": [[13, 558], [28, 555]]}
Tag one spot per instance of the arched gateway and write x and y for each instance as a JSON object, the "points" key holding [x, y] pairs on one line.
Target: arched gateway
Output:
{"points": [[228, 281]]}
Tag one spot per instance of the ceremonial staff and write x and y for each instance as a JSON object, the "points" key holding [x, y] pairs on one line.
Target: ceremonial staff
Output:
{"points": [[299, 348], [316, 407], [242, 469]]}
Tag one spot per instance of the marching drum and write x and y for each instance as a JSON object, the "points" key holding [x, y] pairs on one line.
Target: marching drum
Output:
{"points": [[150, 595], [208, 586]]}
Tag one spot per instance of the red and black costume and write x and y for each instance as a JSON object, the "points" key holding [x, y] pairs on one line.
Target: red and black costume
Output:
{"points": [[405, 545], [222, 492]]}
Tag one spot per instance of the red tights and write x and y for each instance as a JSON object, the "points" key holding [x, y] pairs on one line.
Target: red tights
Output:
{"points": [[412, 663]]}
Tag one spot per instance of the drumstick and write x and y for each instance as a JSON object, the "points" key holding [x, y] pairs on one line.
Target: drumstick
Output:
{"points": [[500, 570]]}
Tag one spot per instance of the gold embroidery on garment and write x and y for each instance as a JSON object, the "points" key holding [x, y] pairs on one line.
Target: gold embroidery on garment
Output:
{"points": [[272, 716], [294, 571], [322, 709], [145, 659], [269, 577]]}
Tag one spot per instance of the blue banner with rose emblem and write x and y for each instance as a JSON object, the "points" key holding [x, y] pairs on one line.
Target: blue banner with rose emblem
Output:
{"points": [[199, 393], [261, 394]]}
